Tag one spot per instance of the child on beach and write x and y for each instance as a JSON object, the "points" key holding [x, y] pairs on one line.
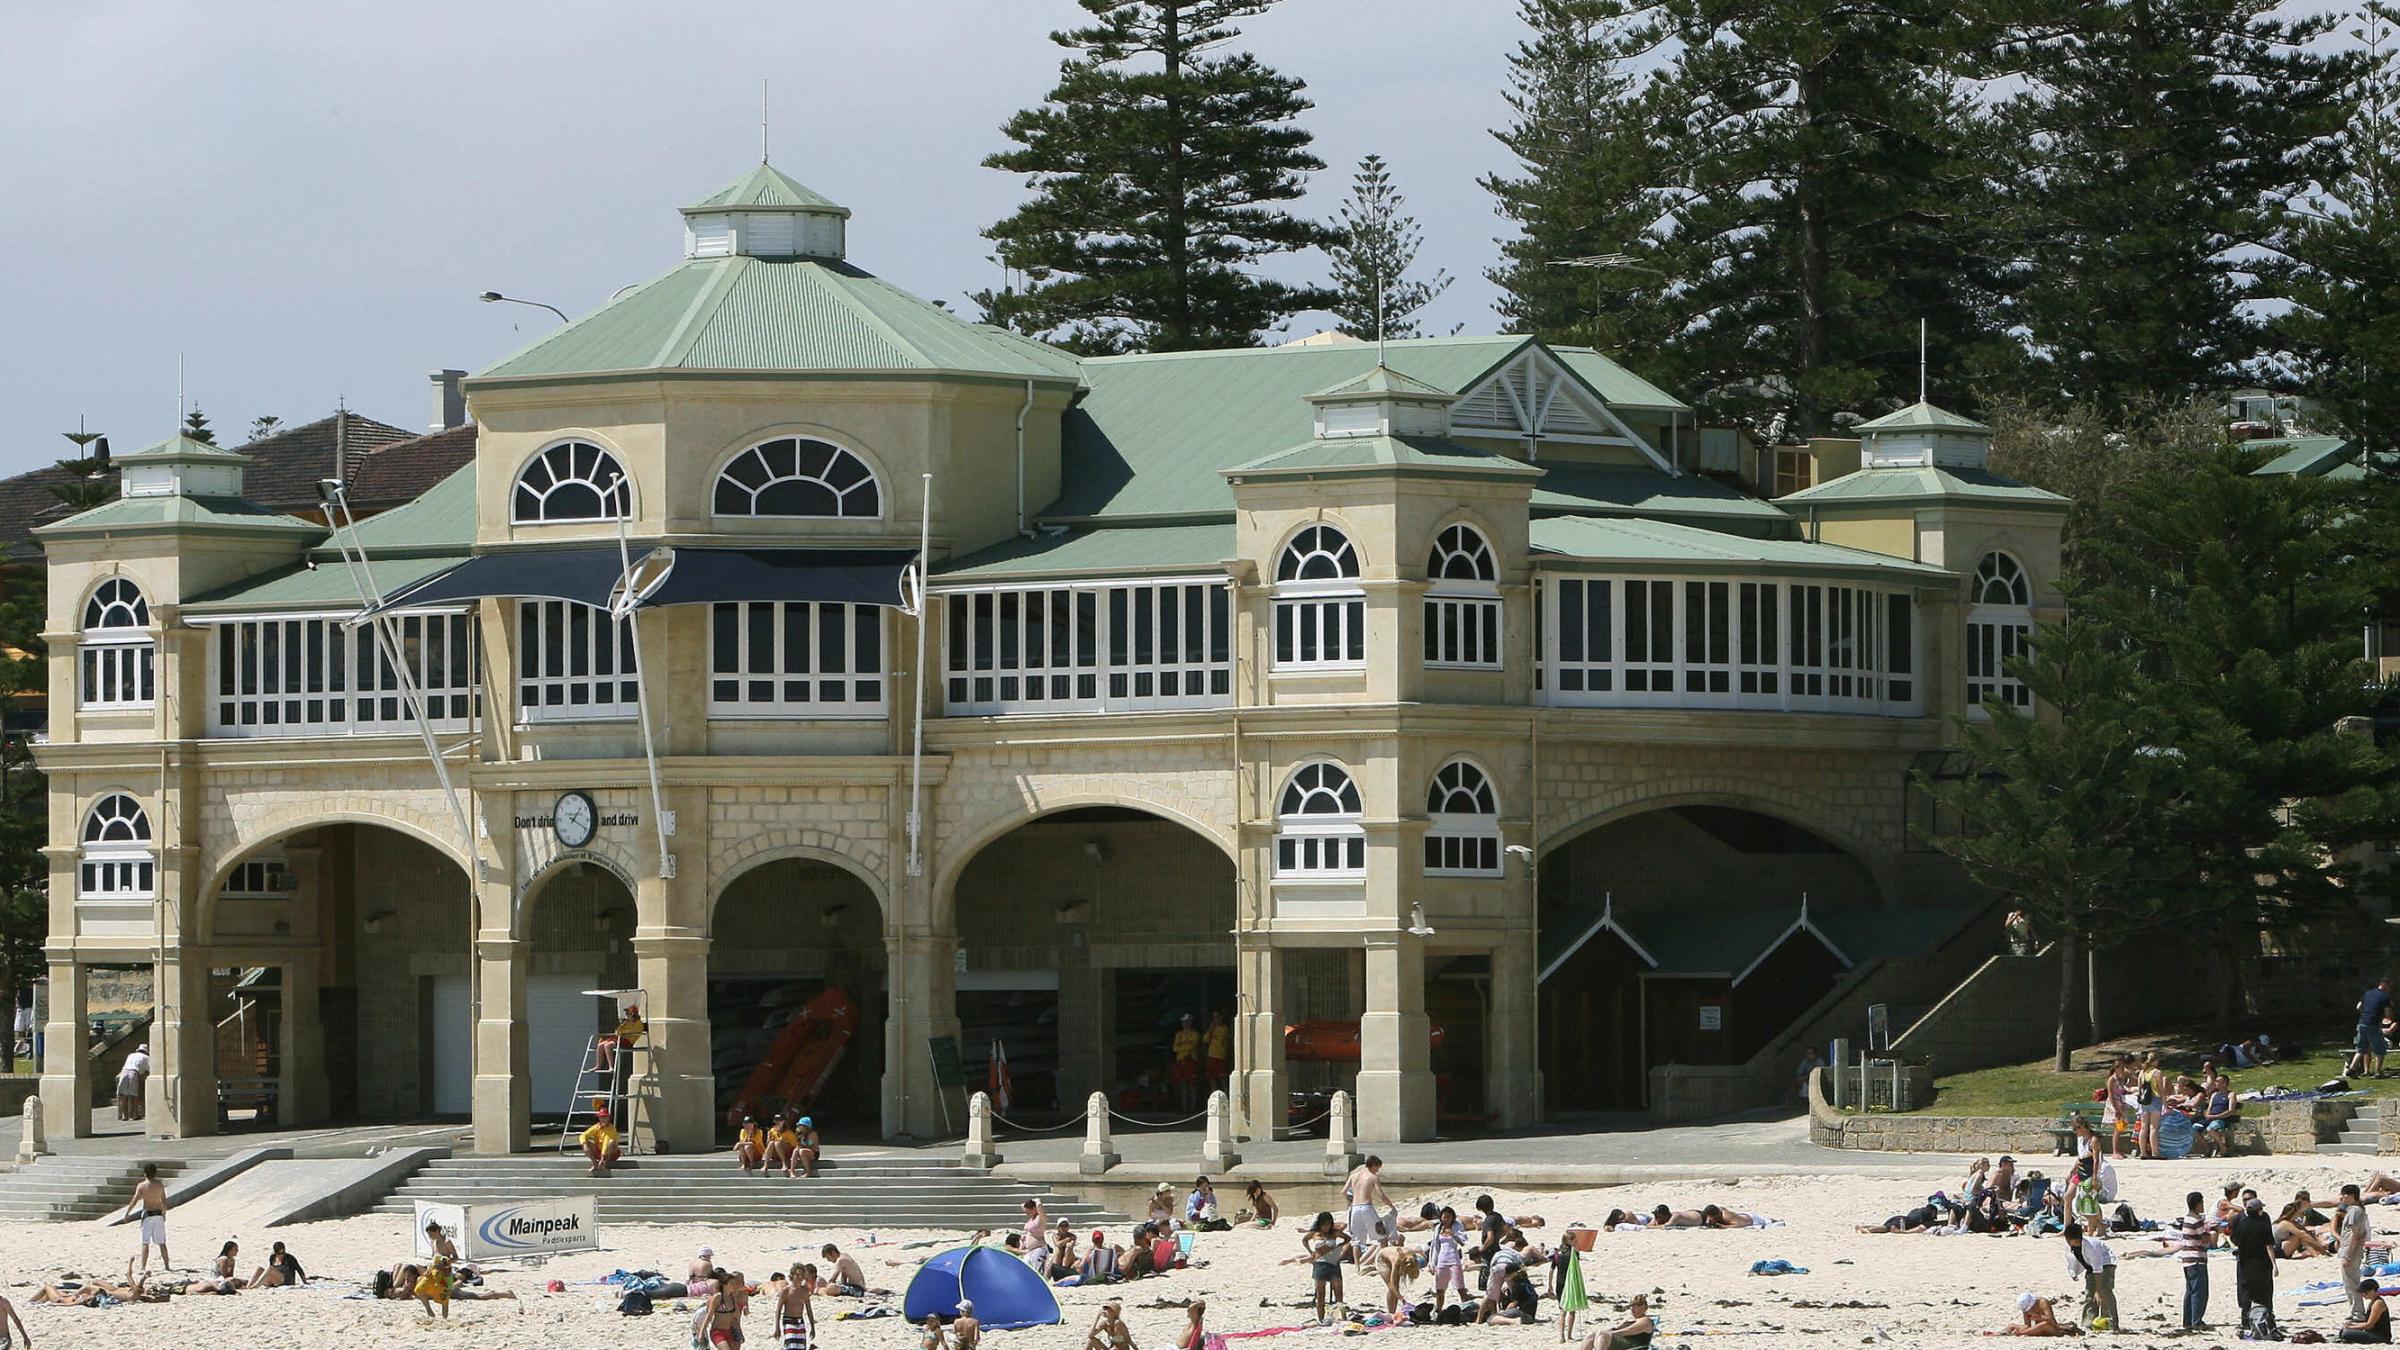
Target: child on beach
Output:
{"points": [[1446, 1257], [792, 1313], [1326, 1249]]}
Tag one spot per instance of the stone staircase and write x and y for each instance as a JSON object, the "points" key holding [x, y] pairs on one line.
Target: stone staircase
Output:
{"points": [[58, 1189], [2362, 1133], [865, 1192]]}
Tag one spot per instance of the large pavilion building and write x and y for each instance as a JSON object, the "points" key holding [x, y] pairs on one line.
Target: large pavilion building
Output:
{"points": [[1422, 697]]}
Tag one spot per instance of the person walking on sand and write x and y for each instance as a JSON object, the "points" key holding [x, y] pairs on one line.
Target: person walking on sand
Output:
{"points": [[2090, 1260], [793, 1317], [725, 1308], [150, 1201], [2355, 1228], [9, 1318], [1368, 1202], [434, 1286]]}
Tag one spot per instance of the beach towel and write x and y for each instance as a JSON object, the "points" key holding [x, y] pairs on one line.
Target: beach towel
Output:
{"points": [[1571, 1296], [1777, 1266]]}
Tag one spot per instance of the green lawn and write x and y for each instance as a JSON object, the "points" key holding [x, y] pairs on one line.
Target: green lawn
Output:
{"points": [[2033, 1090]]}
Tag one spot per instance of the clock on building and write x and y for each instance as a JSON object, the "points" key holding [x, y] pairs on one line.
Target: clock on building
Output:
{"points": [[574, 819]]}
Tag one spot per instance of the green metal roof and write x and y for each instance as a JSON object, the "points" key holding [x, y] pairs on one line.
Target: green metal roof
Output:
{"points": [[1621, 387], [1729, 939], [1154, 433], [441, 521], [1593, 490], [778, 314], [2302, 456], [1381, 382], [1629, 542], [326, 588], [223, 514], [1133, 550], [1876, 486], [765, 188], [182, 449], [1923, 416], [1420, 453]]}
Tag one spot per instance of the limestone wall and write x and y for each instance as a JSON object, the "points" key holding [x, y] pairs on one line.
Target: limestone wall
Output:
{"points": [[2275, 1128], [2004, 1013]]}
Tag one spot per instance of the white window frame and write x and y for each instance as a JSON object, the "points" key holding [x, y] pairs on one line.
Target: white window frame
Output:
{"points": [[582, 691], [1321, 620], [762, 684], [123, 867], [117, 660], [1101, 647], [618, 490], [1999, 629], [1753, 643], [1313, 844], [1462, 613], [871, 485], [1462, 843], [306, 675]]}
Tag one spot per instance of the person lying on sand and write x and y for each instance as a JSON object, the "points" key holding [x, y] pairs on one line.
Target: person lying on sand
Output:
{"points": [[1712, 1216], [1924, 1218], [91, 1293], [1663, 1217], [2035, 1317]]}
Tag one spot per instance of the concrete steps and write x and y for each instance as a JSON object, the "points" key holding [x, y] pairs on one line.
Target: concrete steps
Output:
{"points": [[2362, 1134], [868, 1192], [57, 1189]]}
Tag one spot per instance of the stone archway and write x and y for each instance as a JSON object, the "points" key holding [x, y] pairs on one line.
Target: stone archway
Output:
{"points": [[576, 923], [1671, 932], [789, 926]]}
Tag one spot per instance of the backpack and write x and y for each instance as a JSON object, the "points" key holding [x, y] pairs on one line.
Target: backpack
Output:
{"points": [[2262, 1325], [636, 1303]]}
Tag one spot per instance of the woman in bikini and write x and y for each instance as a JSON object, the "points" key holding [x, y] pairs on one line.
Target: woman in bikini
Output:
{"points": [[220, 1278], [1194, 1333], [794, 1319], [725, 1309], [1109, 1331]]}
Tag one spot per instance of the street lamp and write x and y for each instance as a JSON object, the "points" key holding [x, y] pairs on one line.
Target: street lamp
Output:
{"points": [[496, 298]]}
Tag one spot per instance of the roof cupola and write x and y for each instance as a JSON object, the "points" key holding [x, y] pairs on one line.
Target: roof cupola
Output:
{"points": [[1382, 402], [765, 214], [1923, 436], [181, 467]]}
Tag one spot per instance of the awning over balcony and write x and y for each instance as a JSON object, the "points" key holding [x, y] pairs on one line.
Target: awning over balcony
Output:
{"points": [[669, 576]]}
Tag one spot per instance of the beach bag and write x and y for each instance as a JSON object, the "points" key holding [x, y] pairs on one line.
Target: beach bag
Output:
{"points": [[2262, 1325], [636, 1303]]}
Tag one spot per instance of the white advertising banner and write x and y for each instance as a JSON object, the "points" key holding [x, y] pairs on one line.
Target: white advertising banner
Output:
{"points": [[526, 1228]]}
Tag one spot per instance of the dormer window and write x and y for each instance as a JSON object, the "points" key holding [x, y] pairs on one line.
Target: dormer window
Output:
{"points": [[118, 655], [1320, 609]]}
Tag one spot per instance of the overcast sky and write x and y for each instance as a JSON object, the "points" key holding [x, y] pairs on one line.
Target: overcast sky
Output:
{"points": [[304, 199]]}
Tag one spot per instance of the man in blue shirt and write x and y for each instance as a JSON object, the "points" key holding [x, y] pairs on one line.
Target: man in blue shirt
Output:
{"points": [[2374, 1009]]}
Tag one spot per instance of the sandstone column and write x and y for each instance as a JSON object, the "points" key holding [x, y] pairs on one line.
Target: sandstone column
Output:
{"points": [[1512, 1069], [1395, 1071], [66, 1063], [1259, 1076], [503, 1093], [181, 1102], [674, 977]]}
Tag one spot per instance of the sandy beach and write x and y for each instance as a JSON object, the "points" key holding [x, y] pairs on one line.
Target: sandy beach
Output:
{"points": [[1900, 1289]]}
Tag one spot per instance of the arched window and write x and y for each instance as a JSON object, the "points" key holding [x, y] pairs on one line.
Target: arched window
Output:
{"points": [[572, 480], [799, 478], [116, 862], [1317, 831], [118, 658], [1320, 612], [1464, 837], [1462, 600], [1999, 629]]}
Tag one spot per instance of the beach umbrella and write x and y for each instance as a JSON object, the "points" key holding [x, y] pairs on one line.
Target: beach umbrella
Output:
{"points": [[1571, 1297], [1006, 1292]]}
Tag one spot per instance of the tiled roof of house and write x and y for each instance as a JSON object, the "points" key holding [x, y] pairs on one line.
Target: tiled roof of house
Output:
{"points": [[406, 470], [286, 467]]}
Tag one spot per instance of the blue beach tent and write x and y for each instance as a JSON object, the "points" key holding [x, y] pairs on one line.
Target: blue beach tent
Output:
{"points": [[1007, 1294]]}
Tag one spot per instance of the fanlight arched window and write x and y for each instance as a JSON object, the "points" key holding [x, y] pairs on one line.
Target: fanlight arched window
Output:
{"points": [[1320, 611], [1317, 830], [572, 480], [1462, 600], [1999, 629], [117, 862], [799, 478], [1463, 838], [118, 658]]}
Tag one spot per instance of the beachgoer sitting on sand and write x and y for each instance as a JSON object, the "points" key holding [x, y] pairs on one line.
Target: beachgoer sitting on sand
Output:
{"points": [[1633, 1333], [2036, 1317], [1508, 1296], [281, 1271], [2373, 1326], [704, 1262], [1262, 1205], [1064, 1259], [220, 1278], [1101, 1261], [845, 1278], [1109, 1331], [2294, 1237]]}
